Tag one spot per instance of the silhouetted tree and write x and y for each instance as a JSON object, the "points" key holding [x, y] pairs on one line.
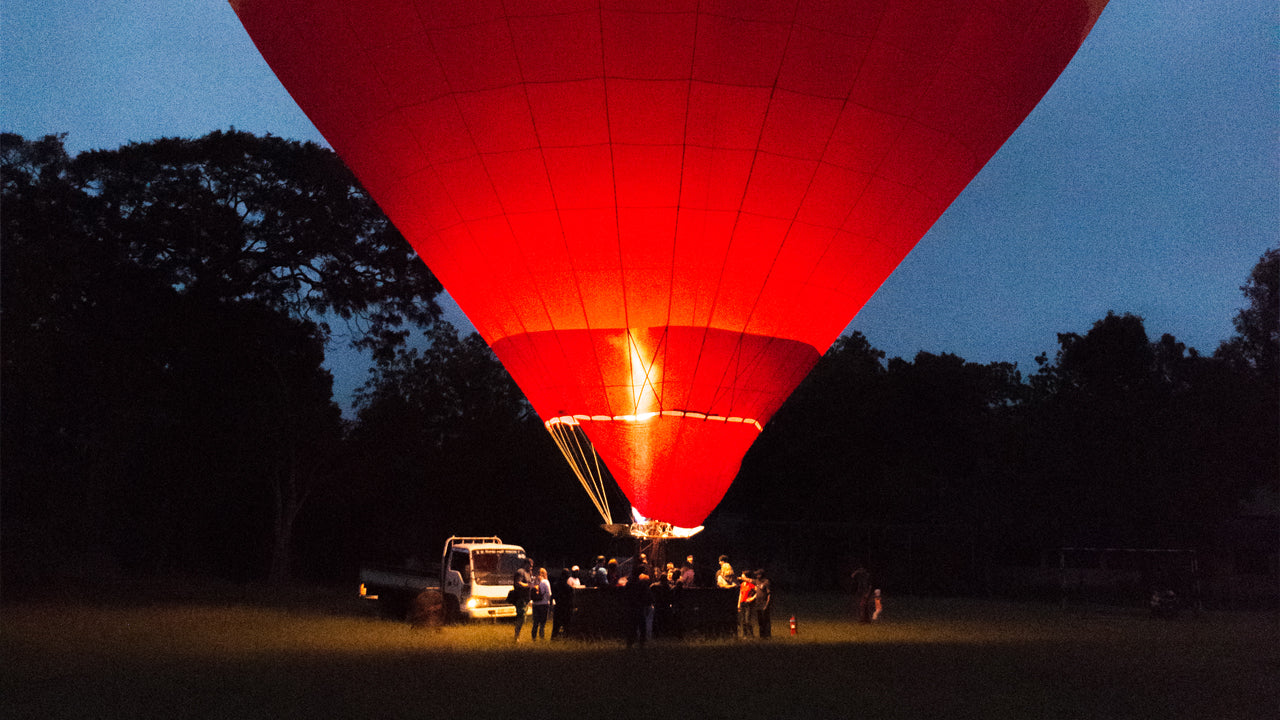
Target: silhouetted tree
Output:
{"points": [[1256, 344], [949, 433], [1139, 442], [1253, 353], [163, 309], [235, 216], [447, 444], [818, 458]]}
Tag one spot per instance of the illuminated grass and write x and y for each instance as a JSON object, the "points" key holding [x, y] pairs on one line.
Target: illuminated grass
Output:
{"points": [[927, 659]]}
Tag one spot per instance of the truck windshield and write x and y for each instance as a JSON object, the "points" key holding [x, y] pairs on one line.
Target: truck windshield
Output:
{"points": [[495, 567]]}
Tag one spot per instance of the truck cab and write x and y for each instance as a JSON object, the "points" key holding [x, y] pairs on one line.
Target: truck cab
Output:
{"points": [[475, 576]]}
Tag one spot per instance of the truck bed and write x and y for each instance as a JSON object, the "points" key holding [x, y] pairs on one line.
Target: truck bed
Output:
{"points": [[377, 579]]}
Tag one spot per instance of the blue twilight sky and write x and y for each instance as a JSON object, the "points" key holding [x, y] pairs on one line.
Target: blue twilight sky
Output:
{"points": [[1146, 181]]}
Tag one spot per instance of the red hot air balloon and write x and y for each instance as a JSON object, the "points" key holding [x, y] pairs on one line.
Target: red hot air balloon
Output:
{"points": [[659, 213]]}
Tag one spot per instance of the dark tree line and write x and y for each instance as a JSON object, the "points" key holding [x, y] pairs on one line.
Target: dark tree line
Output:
{"points": [[1114, 441], [164, 309], [165, 408], [446, 444]]}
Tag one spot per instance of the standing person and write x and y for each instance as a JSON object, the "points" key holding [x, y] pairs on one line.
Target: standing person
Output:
{"points": [[520, 583], [862, 594], [638, 598], [746, 606], [688, 578], [540, 593], [562, 602], [764, 598], [663, 613], [646, 576], [599, 573], [724, 576], [574, 579]]}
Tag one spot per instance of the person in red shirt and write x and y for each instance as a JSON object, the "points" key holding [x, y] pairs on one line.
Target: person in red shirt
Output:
{"points": [[746, 606]]}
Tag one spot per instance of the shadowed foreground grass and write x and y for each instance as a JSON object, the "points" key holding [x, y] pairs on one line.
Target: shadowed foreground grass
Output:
{"points": [[927, 659]]}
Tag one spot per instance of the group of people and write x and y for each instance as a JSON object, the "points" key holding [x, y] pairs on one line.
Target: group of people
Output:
{"points": [[755, 599], [650, 590], [647, 591], [611, 574], [533, 589], [647, 596]]}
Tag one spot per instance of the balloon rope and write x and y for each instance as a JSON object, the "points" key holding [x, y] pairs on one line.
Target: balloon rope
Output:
{"points": [[584, 462]]}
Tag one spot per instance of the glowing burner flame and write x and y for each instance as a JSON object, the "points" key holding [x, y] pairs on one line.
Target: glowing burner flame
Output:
{"points": [[645, 376]]}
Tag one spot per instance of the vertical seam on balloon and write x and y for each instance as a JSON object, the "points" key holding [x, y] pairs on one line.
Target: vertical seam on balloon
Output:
{"points": [[613, 176], [480, 155], [435, 55], [453, 94], [675, 228], [845, 102], [577, 283], [488, 175], [908, 117], [430, 166], [770, 339], [773, 89], [835, 232]]}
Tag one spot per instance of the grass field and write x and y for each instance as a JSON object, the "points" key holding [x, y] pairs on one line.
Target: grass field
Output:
{"points": [[322, 657]]}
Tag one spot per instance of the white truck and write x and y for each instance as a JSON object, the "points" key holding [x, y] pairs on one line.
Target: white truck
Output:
{"points": [[475, 576]]}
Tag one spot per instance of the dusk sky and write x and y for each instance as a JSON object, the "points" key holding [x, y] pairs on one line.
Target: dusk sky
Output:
{"points": [[1146, 181]]}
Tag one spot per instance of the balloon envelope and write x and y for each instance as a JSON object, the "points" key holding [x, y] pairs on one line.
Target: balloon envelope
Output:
{"points": [[660, 214]]}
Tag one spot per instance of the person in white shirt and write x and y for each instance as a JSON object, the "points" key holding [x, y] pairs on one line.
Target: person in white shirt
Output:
{"points": [[725, 577], [540, 590]]}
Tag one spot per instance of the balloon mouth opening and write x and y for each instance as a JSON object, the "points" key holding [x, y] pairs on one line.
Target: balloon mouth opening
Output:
{"points": [[647, 416], [641, 485], [647, 529]]}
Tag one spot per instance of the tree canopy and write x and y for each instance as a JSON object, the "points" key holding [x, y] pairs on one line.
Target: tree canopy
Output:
{"points": [[1116, 440], [164, 312]]}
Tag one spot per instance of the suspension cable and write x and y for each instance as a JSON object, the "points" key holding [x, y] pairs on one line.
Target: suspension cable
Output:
{"points": [[577, 449]]}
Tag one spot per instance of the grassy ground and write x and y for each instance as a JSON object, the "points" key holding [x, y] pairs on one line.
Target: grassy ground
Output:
{"points": [[321, 657]]}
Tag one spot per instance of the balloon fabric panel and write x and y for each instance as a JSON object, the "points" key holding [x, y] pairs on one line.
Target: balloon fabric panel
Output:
{"points": [[659, 215]]}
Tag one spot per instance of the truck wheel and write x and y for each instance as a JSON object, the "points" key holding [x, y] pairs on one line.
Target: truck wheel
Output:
{"points": [[427, 609], [452, 610]]}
